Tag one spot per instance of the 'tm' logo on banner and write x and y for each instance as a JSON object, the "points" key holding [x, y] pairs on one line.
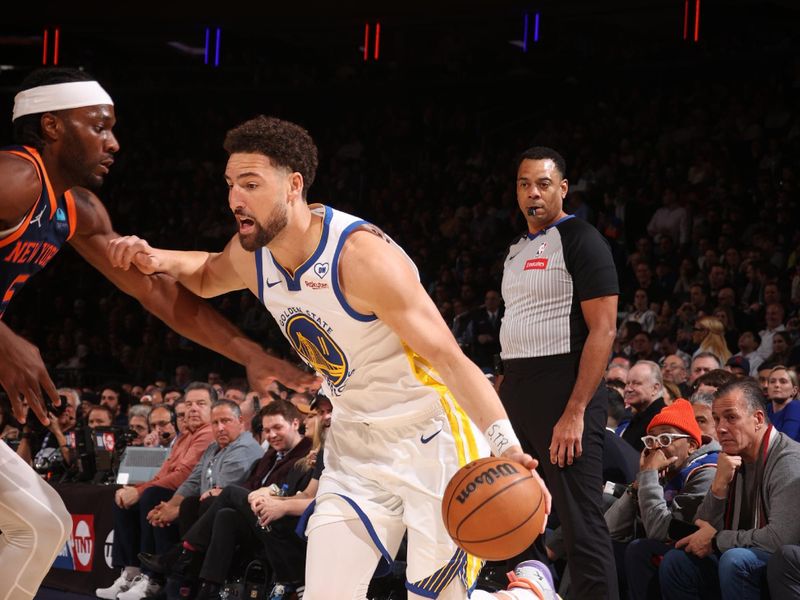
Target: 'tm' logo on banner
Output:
{"points": [[78, 552]]}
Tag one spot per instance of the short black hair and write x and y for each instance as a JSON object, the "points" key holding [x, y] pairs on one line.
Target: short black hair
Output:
{"points": [[542, 153], [26, 130], [286, 145]]}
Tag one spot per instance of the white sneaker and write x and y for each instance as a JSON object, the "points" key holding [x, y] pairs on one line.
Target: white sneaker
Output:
{"points": [[121, 584], [534, 576], [140, 588]]}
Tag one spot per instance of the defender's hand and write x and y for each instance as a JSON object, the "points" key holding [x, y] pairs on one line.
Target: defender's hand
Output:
{"points": [[132, 250], [263, 369], [23, 375]]}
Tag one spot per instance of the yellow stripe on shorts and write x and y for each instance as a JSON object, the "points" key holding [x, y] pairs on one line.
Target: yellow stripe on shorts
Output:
{"points": [[460, 425]]}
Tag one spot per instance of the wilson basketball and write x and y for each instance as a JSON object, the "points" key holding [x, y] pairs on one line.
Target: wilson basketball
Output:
{"points": [[493, 508]]}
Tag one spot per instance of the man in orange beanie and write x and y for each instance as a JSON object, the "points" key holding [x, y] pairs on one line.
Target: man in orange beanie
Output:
{"points": [[676, 469]]}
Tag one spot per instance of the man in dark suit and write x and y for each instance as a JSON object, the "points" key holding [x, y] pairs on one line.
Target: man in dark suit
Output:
{"points": [[485, 325]]}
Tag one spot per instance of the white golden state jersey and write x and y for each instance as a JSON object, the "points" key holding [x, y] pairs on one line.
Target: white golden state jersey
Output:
{"points": [[369, 373]]}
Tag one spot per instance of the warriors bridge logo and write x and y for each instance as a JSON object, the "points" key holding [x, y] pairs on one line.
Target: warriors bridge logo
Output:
{"points": [[317, 348]]}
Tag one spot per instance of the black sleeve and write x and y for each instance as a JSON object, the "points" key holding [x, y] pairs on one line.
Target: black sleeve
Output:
{"points": [[319, 465], [588, 259]]}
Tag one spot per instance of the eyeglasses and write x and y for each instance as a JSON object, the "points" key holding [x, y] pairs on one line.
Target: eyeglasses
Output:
{"points": [[662, 440], [155, 424]]}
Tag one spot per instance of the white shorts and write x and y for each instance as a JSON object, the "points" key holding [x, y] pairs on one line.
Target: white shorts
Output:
{"points": [[392, 477]]}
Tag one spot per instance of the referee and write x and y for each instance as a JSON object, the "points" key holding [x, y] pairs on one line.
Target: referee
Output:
{"points": [[560, 291]]}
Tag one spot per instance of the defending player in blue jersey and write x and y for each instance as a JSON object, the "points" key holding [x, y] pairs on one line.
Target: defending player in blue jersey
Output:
{"points": [[409, 405]]}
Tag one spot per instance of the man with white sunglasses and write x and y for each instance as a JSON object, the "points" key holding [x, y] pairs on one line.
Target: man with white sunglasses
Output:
{"points": [[676, 469]]}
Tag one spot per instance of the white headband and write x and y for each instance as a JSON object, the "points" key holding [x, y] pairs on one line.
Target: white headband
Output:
{"points": [[59, 96]]}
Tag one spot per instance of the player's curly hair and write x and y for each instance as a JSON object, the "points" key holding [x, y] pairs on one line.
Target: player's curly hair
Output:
{"points": [[26, 130], [286, 144]]}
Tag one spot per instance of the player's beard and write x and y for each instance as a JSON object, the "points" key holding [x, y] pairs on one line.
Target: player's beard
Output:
{"points": [[77, 165], [265, 233]]}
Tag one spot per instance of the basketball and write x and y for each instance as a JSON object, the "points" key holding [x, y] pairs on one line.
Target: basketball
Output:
{"points": [[493, 508]]}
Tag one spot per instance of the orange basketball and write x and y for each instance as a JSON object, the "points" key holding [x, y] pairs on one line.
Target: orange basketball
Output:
{"points": [[493, 508]]}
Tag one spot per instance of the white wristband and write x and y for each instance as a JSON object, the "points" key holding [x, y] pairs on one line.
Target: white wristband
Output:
{"points": [[501, 436]]}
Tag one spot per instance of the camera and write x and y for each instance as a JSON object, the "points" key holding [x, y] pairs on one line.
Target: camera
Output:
{"points": [[129, 436], [33, 422], [48, 461]]}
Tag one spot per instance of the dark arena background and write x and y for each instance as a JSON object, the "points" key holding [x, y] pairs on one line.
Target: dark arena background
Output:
{"points": [[419, 110]]}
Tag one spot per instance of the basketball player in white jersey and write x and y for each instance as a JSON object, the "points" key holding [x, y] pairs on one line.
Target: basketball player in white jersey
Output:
{"points": [[350, 302]]}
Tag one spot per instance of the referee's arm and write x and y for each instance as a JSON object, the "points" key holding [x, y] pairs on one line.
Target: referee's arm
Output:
{"points": [[600, 315]]}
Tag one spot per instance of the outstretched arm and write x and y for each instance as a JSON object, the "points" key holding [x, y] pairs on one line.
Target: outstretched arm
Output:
{"points": [[171, 302]]}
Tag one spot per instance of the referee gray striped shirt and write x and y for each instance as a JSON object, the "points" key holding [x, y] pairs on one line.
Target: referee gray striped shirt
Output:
{"points": [[545, 278]]}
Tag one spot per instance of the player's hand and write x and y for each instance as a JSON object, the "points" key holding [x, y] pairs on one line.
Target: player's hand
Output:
{"points": [[527, 461], [130, 250], [263, 369], [565, 445], [23, 375]]}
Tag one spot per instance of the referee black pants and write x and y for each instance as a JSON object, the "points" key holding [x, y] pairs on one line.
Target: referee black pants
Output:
{"points": [[535, 392]]}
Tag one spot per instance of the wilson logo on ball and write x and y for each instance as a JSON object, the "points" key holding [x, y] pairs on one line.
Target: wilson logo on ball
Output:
{"points": [[489, 476]]}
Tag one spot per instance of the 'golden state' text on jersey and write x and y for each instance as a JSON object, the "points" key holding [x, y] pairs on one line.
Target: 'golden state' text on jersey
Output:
{"points": [[369, 373]]}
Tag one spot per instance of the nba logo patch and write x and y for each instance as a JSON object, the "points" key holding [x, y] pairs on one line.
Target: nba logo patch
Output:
{"points": [[535, 264]]}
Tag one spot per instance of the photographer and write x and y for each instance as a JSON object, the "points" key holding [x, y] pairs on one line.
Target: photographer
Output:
{"points": [[9, 427], [44, 443], [54, 439]]}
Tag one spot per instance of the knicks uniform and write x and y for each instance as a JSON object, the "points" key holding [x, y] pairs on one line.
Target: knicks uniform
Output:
{"points": [[27, 247], [33, 519], [397, 434]]}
